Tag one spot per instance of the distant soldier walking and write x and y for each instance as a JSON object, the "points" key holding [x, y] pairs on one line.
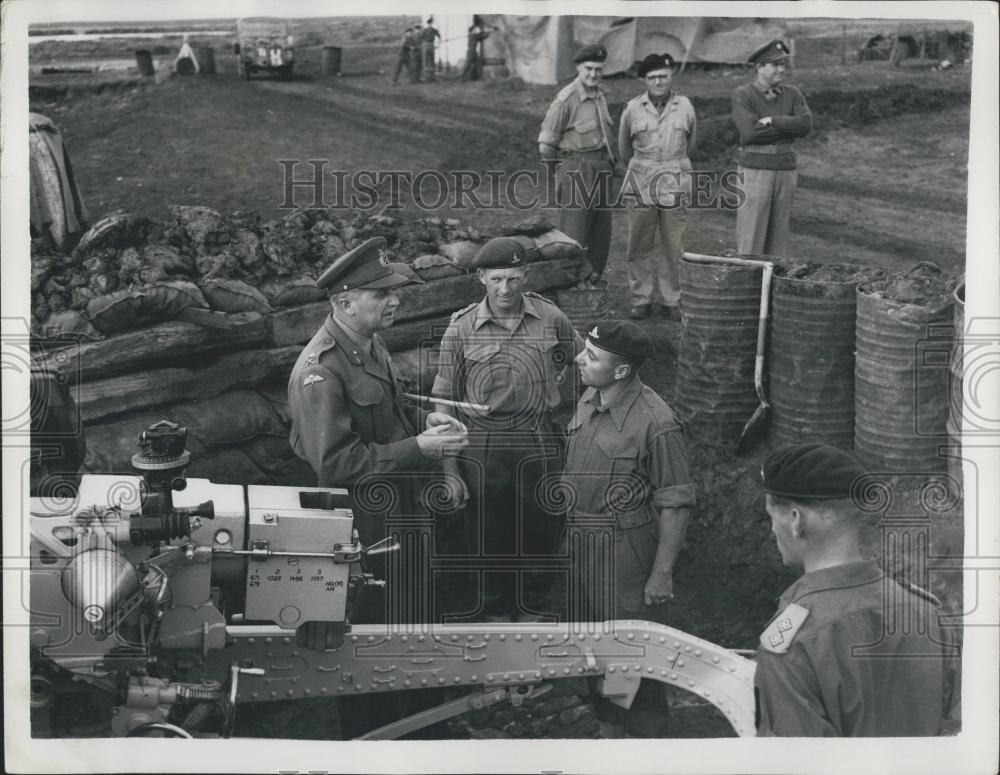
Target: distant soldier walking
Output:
{"points": [[428, 36], [406, 48], [769, 116], [575, 135]]}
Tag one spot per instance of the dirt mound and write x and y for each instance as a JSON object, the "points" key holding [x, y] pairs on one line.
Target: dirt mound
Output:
{"points": [[826, 273], [925, 285]]}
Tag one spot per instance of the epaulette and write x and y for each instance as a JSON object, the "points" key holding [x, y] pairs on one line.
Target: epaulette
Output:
{"points": [[456, 315], [780, 633], [539, 296], [920, 592]]}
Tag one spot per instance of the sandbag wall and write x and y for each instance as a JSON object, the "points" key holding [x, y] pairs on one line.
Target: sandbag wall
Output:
{"points": [[200, 320]]}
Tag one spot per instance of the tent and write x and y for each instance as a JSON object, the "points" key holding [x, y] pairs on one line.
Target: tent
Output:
{"points": [[539, 49]]}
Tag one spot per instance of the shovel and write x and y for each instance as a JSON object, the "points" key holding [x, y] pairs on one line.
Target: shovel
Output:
{"points": [[757, 424]]}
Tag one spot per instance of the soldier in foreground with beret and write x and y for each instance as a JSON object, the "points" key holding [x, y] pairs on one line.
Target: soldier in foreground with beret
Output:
{"points": [[769, 116], [851, 652], [576, 135], [508, 352], [655, 136], [627, 474]]}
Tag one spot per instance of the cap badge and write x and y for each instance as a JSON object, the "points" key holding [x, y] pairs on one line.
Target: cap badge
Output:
{"points": [[593, 333], [515, 259], [781, 48], [383, 259]]}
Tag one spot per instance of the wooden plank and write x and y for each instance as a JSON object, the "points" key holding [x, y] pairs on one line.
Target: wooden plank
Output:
{"points": [[160, 345], [417, 302], [129, 392]]}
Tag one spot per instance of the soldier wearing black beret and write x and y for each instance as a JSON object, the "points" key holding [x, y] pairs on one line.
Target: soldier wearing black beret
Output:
{"points": [[508, 352], [851, 652], [627, 472], [655, 138], [575, 144]]}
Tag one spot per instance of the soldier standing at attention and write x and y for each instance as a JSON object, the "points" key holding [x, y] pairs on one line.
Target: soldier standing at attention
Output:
{"points": [[428, 36], [509, 352], [575, 142], [627, 474], [851, 653], [769, 116], [655, 136]]}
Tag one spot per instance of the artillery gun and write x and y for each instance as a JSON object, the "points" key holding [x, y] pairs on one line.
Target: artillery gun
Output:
{"points": [[159, 604]]}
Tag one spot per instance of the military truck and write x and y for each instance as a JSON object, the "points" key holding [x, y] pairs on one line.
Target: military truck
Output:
{"points": [[263, 45]]}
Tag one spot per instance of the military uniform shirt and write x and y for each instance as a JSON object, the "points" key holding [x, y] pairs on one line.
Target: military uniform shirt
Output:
{"points": [[852, 653], [348, 419], [577, 121], [657, 142], [627, 458], [484, 362]]}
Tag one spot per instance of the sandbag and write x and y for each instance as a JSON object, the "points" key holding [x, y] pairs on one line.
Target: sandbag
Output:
{"points": [[292, 292], [555, 244], [234, 296], [230, 418], [115, 311], [274, 456], [166, 300], [434, 267], [110, 446], [67, 324], [461, 252], [227, 465]]}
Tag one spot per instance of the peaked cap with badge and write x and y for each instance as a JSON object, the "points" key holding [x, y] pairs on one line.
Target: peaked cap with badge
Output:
{"points": [[771, 52], [366, 266]]}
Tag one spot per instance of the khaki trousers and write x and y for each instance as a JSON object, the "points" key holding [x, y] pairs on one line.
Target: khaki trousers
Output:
{"points": [[762, 221], [650, 269]]}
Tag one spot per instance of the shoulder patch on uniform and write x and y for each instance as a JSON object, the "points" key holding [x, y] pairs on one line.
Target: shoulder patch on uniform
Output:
{"points": [[780, 633], [312, 378], [456, 315], [920, 592]]}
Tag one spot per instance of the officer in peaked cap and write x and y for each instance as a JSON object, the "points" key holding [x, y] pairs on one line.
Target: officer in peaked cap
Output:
{"points": [[623, 432], [575, 146], [509, 352], [349, 422], [655, 135], [836, 659], [769, 116]]}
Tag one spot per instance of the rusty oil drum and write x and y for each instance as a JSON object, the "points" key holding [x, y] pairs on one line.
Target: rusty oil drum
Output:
{"points": [[720, 307], [810, 359], [901, 393]]}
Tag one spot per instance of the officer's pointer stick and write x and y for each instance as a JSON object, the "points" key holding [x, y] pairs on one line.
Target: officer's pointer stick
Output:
{"points": [[480, 408]]}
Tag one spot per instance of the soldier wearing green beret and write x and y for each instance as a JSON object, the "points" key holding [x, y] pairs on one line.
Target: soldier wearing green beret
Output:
{"points": [[575, 139], [508, 352], [851, 652], [627, 477], [769, 116]]}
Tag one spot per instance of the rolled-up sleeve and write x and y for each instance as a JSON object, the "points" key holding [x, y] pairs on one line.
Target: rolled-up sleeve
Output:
{"points": [[669, 473], [323, 436], [555, 121]]}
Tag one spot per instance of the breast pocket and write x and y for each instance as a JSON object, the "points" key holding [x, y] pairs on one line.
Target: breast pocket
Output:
{"points": [[371, 413], [626, 489], [485, 371], [590, 133], [644, 134]]}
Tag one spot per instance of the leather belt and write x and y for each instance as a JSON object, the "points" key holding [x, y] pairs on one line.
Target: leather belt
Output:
{"points": [[596, 155], [768, 149]]}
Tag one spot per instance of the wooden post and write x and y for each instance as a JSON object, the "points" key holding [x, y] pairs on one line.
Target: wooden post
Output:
{"points": [[923, 43], [843, 44]]}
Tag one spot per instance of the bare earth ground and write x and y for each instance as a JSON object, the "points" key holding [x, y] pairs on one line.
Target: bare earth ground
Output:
{"points": [[888, 192]]}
